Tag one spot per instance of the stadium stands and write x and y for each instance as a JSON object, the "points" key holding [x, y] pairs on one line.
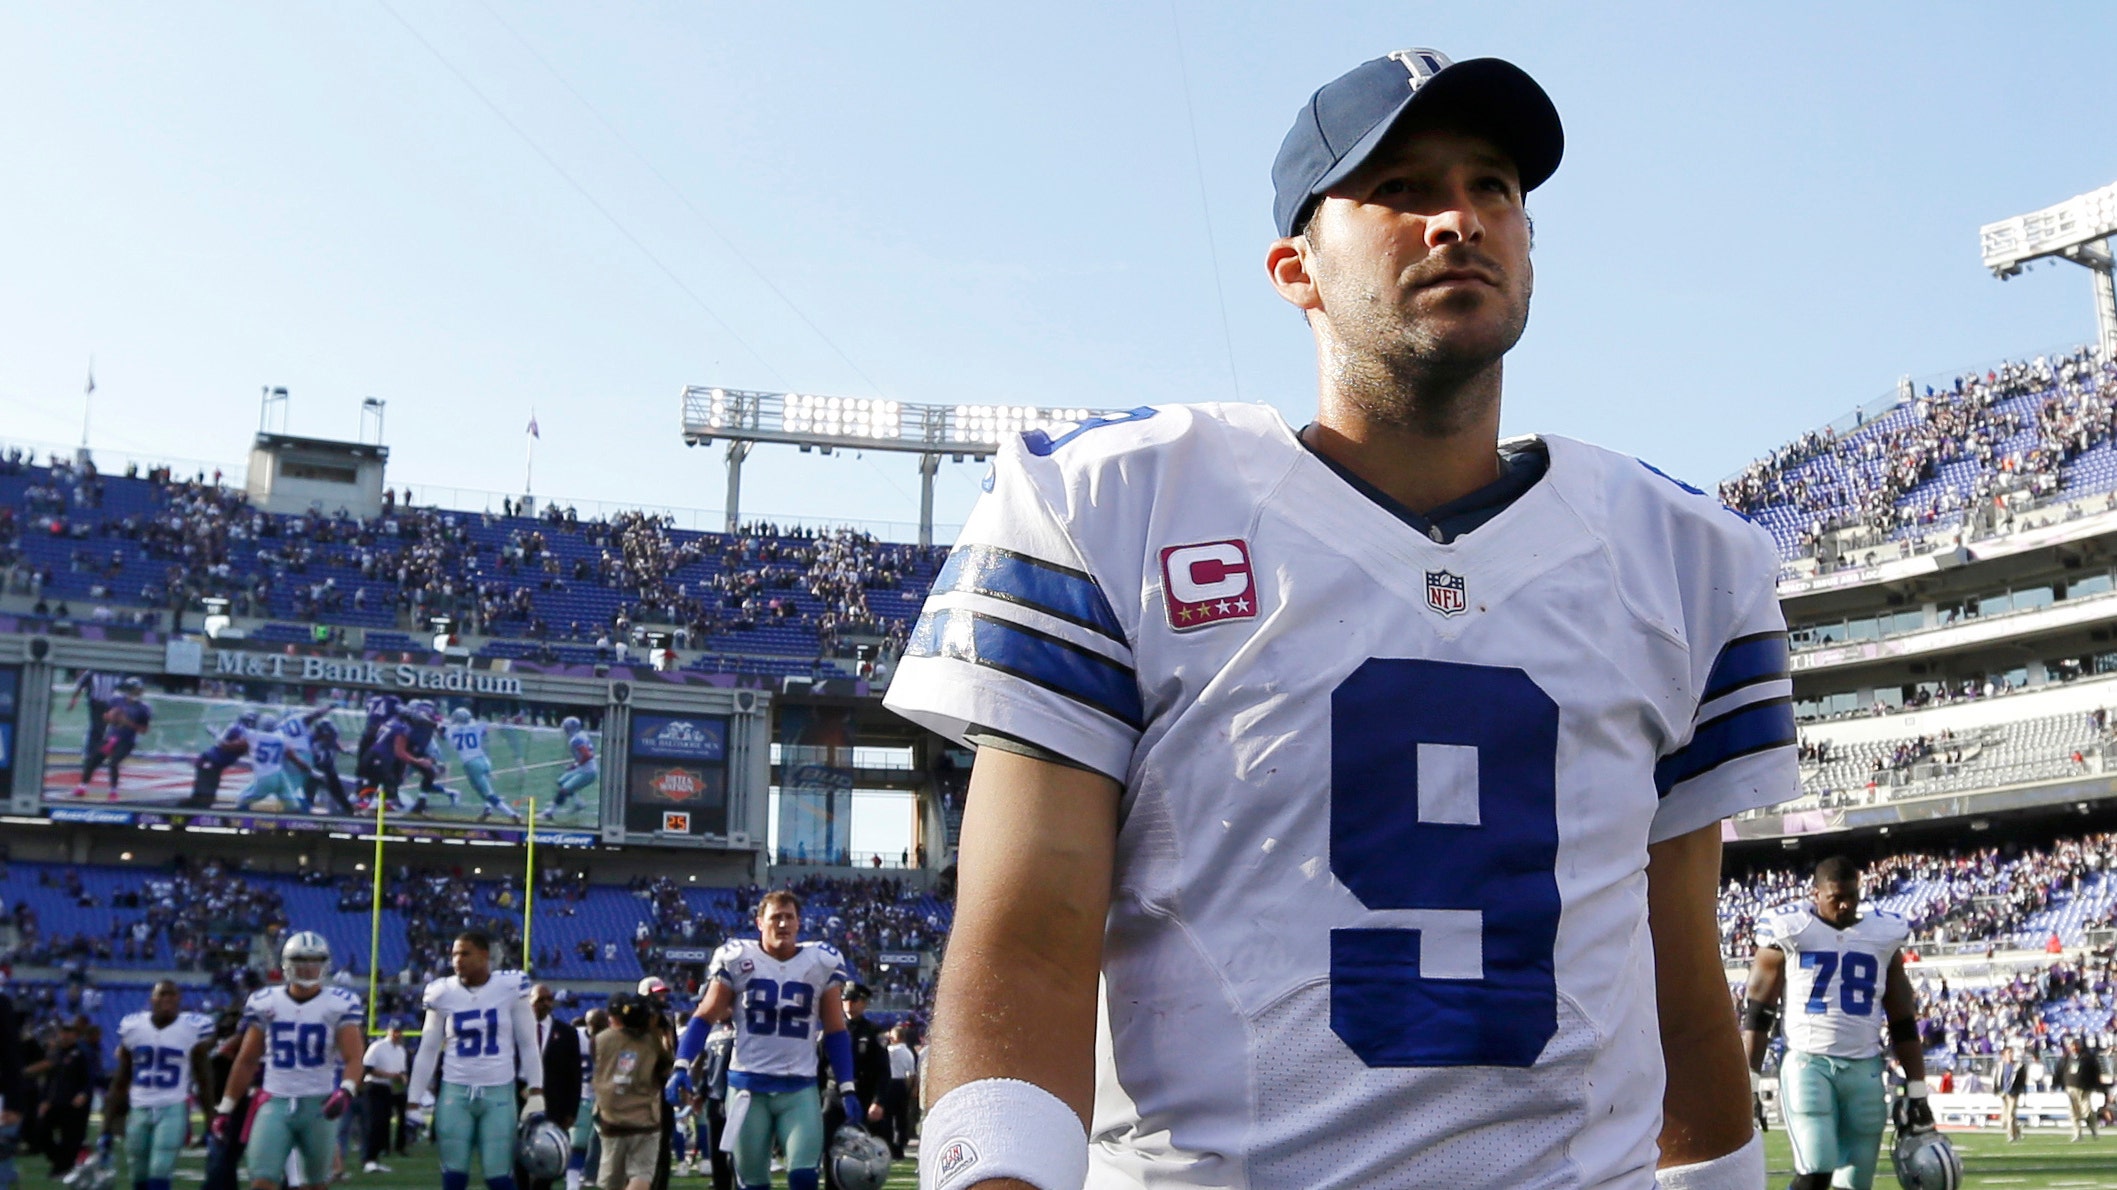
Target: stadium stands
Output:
{"points": [[2039, 429], [768, 601]]}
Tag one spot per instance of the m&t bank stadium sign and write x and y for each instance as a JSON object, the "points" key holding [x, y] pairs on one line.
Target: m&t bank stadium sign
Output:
{"points": [[280, 667]]}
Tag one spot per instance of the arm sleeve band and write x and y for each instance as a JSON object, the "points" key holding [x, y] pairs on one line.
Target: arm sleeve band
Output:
{"points": [[1742, 1169], [1006, 1128], [838, 1047], [421, 1090], [1906, 1030], [1758, 1016], [693, 1042], [528, 1059]]}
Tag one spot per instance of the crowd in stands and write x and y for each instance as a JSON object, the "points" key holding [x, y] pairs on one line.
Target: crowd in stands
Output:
{"points": [[1877, 474], [191, 920], [482, 572]]}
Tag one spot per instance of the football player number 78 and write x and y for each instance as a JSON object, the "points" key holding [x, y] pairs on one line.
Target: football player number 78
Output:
{"points": [[1444, 797]]}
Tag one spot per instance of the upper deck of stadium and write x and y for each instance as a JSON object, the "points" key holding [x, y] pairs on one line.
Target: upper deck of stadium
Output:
{"points": [[1957, 459], [774, 599]]}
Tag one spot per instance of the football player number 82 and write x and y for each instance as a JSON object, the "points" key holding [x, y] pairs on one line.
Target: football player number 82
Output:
{"points": [[1444, 797]]}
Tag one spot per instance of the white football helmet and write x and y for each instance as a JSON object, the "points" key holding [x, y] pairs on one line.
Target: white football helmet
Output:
{"points": [[1926, 1161], [460, 716], [859, 1161], [306, 958], [569, 726]]}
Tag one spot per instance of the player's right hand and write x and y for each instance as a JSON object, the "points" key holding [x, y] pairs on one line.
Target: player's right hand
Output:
{"points": [[678, 1086], [223, 1127]]}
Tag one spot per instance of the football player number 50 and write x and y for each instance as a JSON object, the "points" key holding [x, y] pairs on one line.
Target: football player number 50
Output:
{"points": [[1444, 796]]}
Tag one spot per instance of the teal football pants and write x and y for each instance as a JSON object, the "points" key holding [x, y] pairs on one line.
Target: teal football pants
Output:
{"points": [[1835, 1113], [795, 1118], [480, 1119], [153, 1136], [282, 1126]]}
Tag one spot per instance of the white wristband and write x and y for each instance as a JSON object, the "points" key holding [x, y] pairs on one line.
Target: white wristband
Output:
{"points": [[1742, 1169], [1915, 1089], [225, 1106], [349, 1087], [1002, 1128]]}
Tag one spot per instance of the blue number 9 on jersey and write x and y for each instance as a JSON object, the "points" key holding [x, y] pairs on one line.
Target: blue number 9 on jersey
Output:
{"points": [[1444, 796]]}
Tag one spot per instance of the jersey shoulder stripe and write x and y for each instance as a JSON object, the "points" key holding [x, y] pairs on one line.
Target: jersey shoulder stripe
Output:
{"points": [[1049, 587], [1747, 661], [1060, 666], [1746, 730]]}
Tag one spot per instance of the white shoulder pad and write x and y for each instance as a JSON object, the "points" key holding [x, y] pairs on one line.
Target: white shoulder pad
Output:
{"points": [[434, 991]]}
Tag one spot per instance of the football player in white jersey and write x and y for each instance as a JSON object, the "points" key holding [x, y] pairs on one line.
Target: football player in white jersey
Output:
{"points": [[467, 736], [1841, 978], [580, 772], [482, 1030], [292, 1030], [162, 1056], [1354, 791], [781, 992], [269, 776]]}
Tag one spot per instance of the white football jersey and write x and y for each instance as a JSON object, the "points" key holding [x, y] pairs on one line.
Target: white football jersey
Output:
{"points": [[301, 1037], [468, 739], [295, 731], [268, 751], [161, 1055], [1379, 916], [1834, 979], [478, 1027], [776, 1022], [580, 749]]}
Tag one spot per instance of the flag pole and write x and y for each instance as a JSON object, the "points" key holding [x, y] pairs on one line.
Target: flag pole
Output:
{"points": [[529, 464], [88, 404], [529, 890]]}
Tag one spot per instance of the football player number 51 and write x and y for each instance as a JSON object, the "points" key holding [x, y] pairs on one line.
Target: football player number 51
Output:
{"points": [[1444, 797]]}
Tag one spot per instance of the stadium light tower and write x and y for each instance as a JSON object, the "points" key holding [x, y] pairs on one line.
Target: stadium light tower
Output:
{"points": [[743, 419], [2078, 229]]}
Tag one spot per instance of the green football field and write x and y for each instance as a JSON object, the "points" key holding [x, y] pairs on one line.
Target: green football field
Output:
{"points": [[421, 1170], [526, 760], [2037, 1162]]}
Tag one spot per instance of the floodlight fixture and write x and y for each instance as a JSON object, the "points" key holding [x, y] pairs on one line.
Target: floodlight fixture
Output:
{"points": [[823, 424], [2078, 229]]}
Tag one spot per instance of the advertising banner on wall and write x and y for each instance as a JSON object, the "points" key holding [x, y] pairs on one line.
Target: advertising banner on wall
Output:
{"points": [[677, 780], [287, 754]]}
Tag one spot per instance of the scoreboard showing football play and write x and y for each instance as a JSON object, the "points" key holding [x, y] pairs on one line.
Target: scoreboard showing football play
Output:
{"points": [[227, 738]]}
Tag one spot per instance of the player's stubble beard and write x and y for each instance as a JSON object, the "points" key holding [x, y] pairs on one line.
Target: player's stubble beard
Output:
{"points": [[1412, 373]]}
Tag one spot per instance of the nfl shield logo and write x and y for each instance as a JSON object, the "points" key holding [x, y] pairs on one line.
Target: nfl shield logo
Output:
{"points": [[1444, 593]]}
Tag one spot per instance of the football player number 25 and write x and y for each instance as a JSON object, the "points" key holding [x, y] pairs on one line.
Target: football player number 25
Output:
{"points": [[1444, 797]]}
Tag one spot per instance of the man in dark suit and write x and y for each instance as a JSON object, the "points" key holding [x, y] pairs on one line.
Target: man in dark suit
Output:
{"points": [[2012, 1084], [68, 1084], [560, 1044], [2080, 1073]]}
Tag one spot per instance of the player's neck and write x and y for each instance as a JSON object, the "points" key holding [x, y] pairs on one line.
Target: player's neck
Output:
{"points": [[479, 982], [783, 952], [299, 993], [1425, 434], [1419, 471], [163, 1022]]}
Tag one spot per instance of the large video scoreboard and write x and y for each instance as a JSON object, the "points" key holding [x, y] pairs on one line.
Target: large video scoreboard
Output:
{"points": [[217, 736]]}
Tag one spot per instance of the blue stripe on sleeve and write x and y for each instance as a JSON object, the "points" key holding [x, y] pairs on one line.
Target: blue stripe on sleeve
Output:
{"points": [[1055, 590], [1090, 679], [1757, 727], [1746, 661]]}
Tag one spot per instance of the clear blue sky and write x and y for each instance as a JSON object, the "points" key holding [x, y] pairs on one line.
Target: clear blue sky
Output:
{"points": [[1765, 217]]}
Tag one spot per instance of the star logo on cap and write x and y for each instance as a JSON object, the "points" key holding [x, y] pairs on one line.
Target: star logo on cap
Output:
{"points": [[1422, 63]]}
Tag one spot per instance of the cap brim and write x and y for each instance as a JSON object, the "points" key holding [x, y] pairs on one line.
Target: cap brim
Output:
{"points": [[1490, 96]]}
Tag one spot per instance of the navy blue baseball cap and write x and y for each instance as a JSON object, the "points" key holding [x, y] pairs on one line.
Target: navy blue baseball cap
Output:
{"points": [[1346, 120]]}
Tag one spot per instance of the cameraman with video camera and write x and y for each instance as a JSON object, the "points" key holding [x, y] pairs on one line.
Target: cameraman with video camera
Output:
{"points": [[632, 1060]]}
